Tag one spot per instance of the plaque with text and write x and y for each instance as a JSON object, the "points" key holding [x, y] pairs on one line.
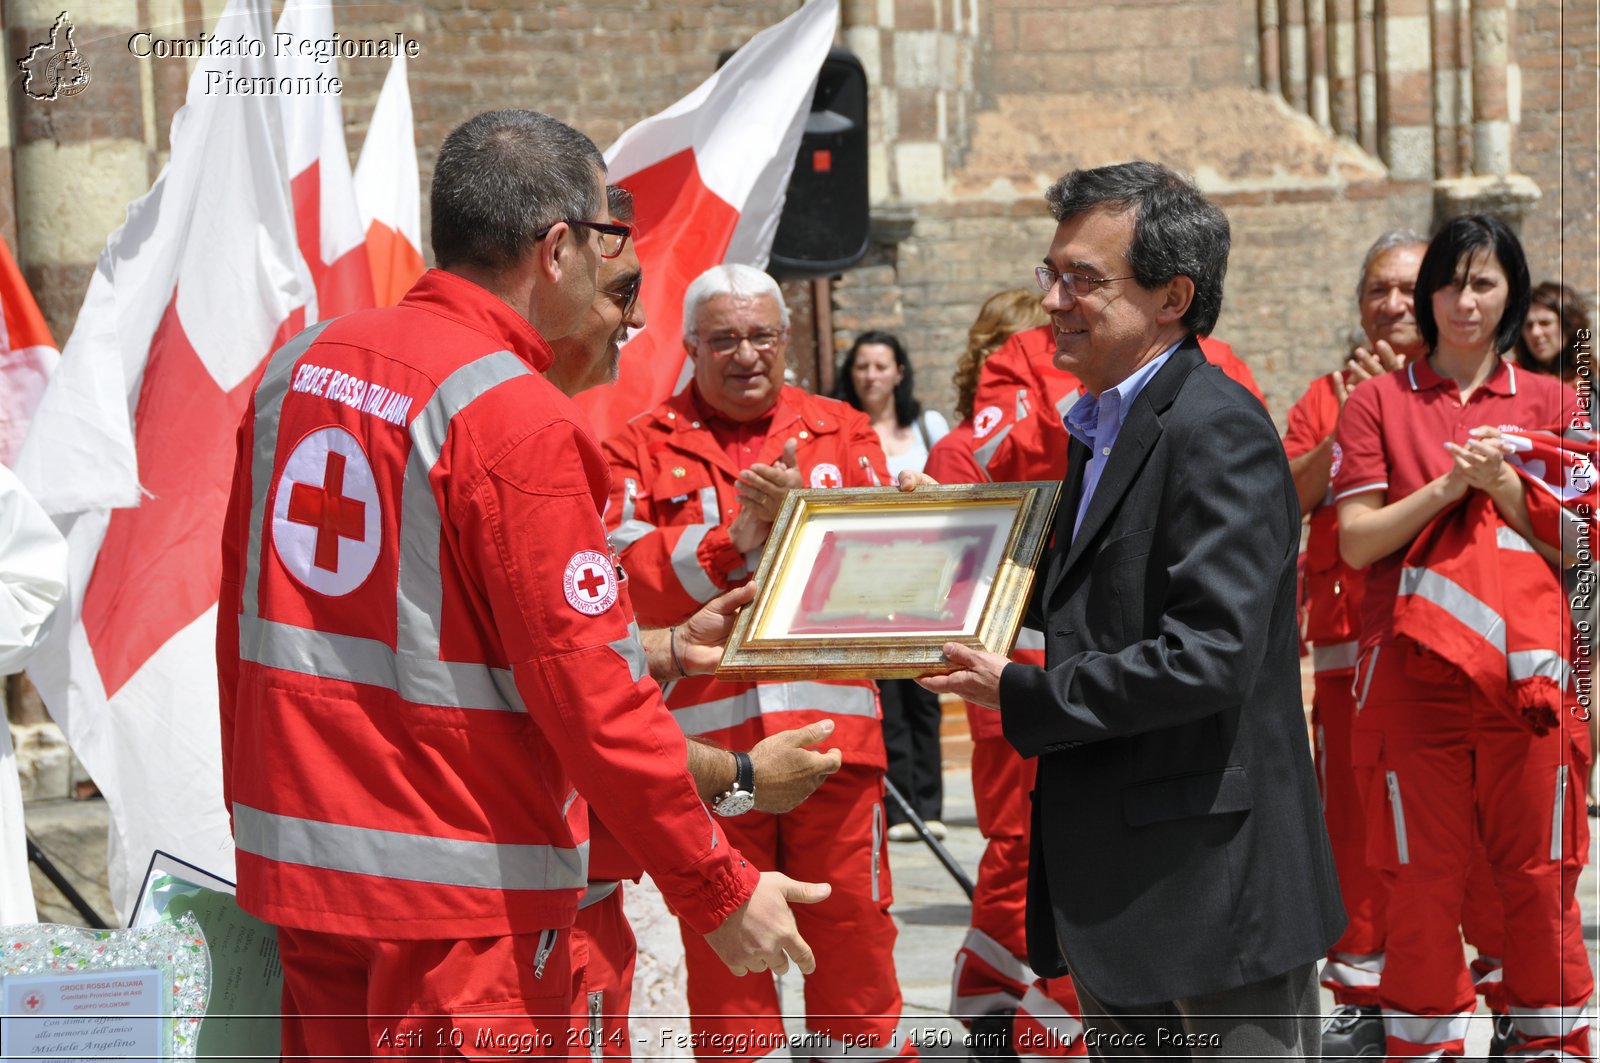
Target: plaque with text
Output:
{"points": [[872, 582]]}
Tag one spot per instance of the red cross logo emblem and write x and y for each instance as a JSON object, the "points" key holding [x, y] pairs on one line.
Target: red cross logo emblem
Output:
{"points": [[32, 1002], [827, 475], [985, 422], [590, 583], [326, 509], [325, 517]]}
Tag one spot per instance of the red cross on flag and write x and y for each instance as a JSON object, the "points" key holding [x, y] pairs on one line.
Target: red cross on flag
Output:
{"points": [[327, 219], [132, 445], [387, 190], [709, 175], [28, 356]]}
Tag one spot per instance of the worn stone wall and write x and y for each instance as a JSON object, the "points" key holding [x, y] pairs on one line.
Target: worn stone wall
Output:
{"points": [[1314, 124]]}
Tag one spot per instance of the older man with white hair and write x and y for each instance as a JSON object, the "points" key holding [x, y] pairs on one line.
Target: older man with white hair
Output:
{"points": [[696, 484]]}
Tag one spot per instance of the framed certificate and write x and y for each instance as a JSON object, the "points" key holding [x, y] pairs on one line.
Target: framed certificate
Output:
{"points": [[871, 582]]}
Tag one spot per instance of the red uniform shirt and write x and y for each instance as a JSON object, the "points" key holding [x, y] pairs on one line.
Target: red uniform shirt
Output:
{"points": [[1332, 587], [1392, 436]]}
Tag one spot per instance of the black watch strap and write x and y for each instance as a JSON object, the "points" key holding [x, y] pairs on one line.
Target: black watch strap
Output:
{"points": [[745, 774]]}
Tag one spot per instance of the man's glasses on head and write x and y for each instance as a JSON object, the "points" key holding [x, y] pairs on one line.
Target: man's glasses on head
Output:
{"points": [[613, 237], [727, 342], [1077, 285]]}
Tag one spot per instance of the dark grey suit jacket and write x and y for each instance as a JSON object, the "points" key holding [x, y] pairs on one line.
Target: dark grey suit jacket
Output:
{"points": [[1178, 845]]}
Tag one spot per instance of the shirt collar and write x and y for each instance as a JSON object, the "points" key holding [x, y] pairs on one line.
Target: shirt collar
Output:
{"points": [[1502, 380], [457, 298], [1085, 421]]}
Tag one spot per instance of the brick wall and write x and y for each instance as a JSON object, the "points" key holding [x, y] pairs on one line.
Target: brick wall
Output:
{"points": [[1556, 52], [976, 106]]}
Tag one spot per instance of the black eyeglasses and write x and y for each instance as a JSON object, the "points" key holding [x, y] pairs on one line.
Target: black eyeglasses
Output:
{"points": [[628, 295], [613, 237]]}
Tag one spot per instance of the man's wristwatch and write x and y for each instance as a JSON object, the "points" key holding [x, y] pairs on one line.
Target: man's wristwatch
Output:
{"points": [[741, 796]]}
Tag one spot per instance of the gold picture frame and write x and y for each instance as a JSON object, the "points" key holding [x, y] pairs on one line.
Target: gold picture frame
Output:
{"points": [[871, 582]]}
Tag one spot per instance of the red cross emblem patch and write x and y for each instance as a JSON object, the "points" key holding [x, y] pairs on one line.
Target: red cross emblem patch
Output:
{"points": [[590, 583], [826, 475], [326, 522], [985, 422]]}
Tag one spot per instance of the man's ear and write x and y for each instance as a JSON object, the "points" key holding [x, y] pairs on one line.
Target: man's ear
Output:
{"points": [[552, 252], [1176, 296]]}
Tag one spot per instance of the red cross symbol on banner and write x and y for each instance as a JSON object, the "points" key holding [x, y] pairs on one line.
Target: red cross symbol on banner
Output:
{"points": [[592, 583], [334, 516]]}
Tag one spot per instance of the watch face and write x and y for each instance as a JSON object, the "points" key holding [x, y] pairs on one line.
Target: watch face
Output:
{"points": [[734, 803]]}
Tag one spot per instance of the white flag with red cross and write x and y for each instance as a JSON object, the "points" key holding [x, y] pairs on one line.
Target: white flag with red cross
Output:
{"points": [[132, 451], [28, 355], [388, 190], [327, 217], [709, 175]]}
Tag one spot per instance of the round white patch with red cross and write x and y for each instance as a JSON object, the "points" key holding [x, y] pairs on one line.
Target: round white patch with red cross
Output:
{"points": [[985, 421], [826, 475], [590, 583], [1338, 460], [326, 522]]}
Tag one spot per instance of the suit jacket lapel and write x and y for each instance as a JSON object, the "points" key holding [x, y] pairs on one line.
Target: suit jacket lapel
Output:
{"points": [[1066, 512], [1135, 440]]}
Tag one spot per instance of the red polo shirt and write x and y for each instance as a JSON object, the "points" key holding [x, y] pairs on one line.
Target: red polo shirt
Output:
{"points": [[1392, 436]]}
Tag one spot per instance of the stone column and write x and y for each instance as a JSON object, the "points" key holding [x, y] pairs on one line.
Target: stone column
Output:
{"points": [[1405, 79], [79, 159]]}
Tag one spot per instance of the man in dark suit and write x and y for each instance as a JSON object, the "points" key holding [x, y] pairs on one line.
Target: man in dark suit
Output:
{"points": [[1179, 864]]}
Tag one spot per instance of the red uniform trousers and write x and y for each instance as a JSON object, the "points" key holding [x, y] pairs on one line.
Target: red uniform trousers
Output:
{"points": [[1355, 962], [473, 998], [1349, 744], [1453, 765], [602, 927], [836, 835], [991, 972]]}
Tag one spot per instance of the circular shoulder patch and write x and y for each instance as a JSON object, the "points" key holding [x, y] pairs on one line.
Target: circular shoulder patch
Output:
{"points": [[326, 524], [590, 583], [826, 474], [1338, 459], [985, 422]]}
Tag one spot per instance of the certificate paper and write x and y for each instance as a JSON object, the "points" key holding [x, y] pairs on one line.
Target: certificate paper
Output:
{"points": [[88, 1015], [892, 582]]}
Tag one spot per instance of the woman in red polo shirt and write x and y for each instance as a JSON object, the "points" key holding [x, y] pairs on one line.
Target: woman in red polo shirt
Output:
{"points": [[1414, 445]]}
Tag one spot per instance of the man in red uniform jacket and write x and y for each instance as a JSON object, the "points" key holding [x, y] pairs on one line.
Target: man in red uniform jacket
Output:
{"points": [[416, 690], [696, 484]]}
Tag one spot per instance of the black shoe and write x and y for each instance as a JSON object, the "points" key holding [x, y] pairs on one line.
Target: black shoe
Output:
{"points": [[1504, 1036], [989, 1038], [1351, 1032]]}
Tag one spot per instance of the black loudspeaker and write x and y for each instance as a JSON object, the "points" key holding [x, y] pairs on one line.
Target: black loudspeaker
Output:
{"points": [[825, 224]]}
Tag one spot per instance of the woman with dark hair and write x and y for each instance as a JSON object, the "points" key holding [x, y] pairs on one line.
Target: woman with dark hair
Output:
{"points": [[1455, 567], [876, 379], [1555, 336]]}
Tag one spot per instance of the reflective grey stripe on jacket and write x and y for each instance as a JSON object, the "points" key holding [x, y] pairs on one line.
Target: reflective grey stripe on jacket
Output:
{"points": [[776, 697], [1456, 600], [686, 563], [411, 857]]}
